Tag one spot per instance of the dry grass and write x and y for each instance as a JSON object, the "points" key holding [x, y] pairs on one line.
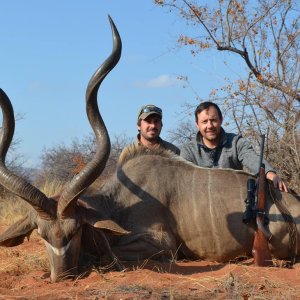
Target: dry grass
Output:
{"points": [[12, 209], [21, 262], [52, 187]]}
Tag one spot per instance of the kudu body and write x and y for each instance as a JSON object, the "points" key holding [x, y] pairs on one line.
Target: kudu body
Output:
{"points": [[156, 204]]}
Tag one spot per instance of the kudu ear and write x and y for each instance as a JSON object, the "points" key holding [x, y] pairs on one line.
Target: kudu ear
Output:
{"points": [[111, 226], [99, 222], [17, 232]]}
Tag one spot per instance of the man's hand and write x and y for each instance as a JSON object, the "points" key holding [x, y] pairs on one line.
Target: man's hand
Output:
{"points": [[277, 181]]}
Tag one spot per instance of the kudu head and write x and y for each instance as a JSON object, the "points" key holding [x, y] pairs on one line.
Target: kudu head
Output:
{"points": [[59, 221]]}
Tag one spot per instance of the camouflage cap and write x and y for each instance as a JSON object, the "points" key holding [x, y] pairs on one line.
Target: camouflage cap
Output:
{"points": [[148, 110]]}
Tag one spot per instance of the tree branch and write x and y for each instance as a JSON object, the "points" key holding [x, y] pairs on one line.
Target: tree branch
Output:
{"points": [[276, 85]]}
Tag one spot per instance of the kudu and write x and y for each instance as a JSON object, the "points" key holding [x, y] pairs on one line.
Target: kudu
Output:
{"points": [[167, 205], [60, 222]]}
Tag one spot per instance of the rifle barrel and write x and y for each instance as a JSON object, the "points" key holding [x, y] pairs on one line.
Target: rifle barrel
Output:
{"points": [[261, 155]]}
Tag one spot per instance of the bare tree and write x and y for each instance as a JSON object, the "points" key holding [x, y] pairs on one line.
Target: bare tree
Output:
{"points": [[265, 35], [118, 143], [182, 134], [60, 163]]}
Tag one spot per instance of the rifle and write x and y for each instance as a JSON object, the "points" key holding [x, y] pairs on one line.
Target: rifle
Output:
{"points": [[261, 251]]}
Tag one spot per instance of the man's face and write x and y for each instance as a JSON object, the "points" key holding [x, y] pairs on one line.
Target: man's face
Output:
{"points": [[209, 124], [150, 127]]}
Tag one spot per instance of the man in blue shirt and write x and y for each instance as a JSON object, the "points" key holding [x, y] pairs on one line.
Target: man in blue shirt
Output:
{"points": [[215, 148]]}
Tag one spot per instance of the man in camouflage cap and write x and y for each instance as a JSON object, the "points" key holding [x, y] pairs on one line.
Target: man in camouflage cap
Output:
{"points": [[149, 124]]}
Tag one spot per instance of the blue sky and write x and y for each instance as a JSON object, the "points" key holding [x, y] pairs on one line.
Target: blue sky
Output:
{"points": [[50, 49]]}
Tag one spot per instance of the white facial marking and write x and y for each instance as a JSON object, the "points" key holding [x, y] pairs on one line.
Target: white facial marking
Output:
{"points": [[58, 251]]}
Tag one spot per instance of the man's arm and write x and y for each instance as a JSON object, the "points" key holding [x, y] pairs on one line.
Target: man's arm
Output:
{"points": [[250, 159]]}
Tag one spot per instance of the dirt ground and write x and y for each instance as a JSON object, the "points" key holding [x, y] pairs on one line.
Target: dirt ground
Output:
{"points": [[24, 274]]}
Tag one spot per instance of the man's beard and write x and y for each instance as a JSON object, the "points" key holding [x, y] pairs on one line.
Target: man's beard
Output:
{"points": [[150, 138]]}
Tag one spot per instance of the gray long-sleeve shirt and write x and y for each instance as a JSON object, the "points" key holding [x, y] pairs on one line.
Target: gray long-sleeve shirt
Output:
{"points": [[233, 151]]}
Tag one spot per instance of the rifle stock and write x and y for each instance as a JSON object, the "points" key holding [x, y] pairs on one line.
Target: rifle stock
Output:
{"points": [[261, 251]]}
